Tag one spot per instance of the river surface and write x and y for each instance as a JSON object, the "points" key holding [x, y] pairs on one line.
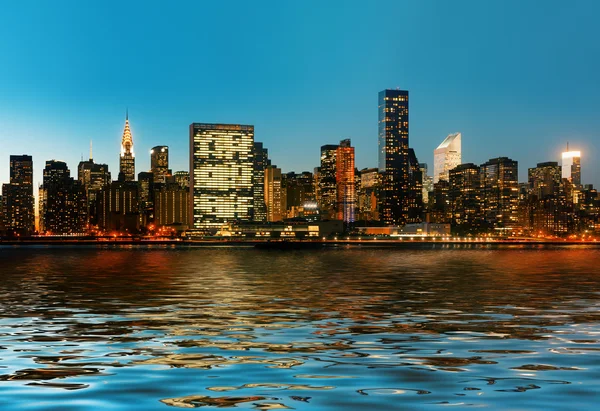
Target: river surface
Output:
{"points": [[339, 329]]}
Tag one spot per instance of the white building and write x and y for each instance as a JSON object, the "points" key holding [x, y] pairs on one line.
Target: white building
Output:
{"points": [[447, 156]]}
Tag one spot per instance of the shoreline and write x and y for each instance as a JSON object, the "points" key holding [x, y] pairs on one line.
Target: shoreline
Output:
{"points": [[293, 244]]}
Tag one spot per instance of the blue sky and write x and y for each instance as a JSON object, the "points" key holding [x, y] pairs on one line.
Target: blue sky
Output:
{"points": [[517, 78]]}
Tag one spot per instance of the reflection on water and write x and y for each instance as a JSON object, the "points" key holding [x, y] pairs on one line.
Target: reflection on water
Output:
{"points": [[168, 328]]}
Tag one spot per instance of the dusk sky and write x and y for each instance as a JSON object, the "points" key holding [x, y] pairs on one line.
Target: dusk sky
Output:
{"points": [[517, 78]]}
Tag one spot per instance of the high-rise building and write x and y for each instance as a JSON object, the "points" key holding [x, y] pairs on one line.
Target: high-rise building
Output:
{"points": [[171, 205], [274, 198], [119, 207], [127, 158], [147, 186], [261, 161], [500, 192], [159, 163], [571, 167], [19, 214], [393, 155], [328, 182], [369, 195], [63, 204], [345, 182], [94, 178], [545, 180], [298, 191], [447, 156], [415, 189], [427, 182], [464, 195], [221, 166]]}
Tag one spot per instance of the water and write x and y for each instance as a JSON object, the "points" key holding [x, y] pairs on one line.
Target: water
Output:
{"points": [[344, 329]]}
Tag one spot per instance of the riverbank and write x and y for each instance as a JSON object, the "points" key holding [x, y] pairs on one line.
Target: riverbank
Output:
{"points": [[294, 244]]}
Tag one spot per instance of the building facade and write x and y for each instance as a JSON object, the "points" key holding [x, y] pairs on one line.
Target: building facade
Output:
{"points": [[328, 182], [500, 192], [94, 177], [274, 195], [127, 157], [345, 182], [261, 162], [19, 203], [464, 196], [393, 155], [221, 168], [63, 203], [447, 156], [159, 163]]}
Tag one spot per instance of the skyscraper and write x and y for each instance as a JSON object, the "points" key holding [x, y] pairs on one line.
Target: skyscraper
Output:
{"points": [[346, 187], [221, 165], [571, 167], [415, 189], [464, 195], [545, 180], [127, 158], [447, 156], [94, 178], [63, 204], [500, 191], [273, 193], [261, 161], [159, 163], [18, 198], [327, 181], [393, 155]]}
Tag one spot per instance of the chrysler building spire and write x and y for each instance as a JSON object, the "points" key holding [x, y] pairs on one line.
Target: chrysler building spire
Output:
{"points": [[127, 159]]}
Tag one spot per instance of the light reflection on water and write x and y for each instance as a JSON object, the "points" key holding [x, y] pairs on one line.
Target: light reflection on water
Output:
{"points": [[336, 329]]}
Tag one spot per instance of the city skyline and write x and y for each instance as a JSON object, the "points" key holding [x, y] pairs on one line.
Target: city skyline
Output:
{"points": [[52, 111]]}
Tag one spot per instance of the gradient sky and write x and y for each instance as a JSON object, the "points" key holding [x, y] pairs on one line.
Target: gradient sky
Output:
{"points": [[517, 78]]}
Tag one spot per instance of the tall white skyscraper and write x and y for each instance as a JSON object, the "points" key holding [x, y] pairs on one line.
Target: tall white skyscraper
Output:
{"points": [[447, 156], [571, 167]]}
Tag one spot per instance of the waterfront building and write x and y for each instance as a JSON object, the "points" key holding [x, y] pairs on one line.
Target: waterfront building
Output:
{"points": [[147, 186], [440, 211], [500, 192], [545, 180], [393, 155], [127, 157], [415, 189], [345, 182], [369, 195], [19, 213], [571, 166], [159, 163], [464, 196], [447, 156], [171, 206], [221, 182], [120, 207], [273, 192], [62, 202], [327, 182], [299, 193], [261, 161], [94, 177]]}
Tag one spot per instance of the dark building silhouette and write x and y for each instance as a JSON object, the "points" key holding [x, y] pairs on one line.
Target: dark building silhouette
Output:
{"points": [[393, 155], [261, 162], [63, 202], [19, 214], [327, 182]]}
